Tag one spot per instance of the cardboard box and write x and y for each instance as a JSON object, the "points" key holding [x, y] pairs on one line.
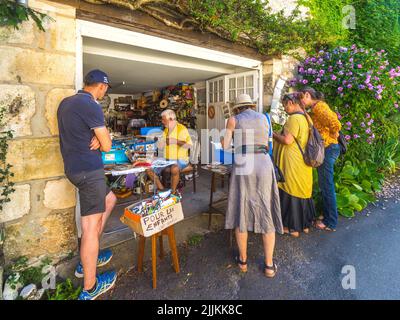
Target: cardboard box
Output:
{"points": [[153, 223]]}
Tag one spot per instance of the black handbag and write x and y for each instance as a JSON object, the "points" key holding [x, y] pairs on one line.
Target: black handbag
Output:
{"points": [[278, 174], [342, 143]]}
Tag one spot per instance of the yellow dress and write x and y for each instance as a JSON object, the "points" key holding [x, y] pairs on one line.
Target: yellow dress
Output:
{"points": [[298, 176]]}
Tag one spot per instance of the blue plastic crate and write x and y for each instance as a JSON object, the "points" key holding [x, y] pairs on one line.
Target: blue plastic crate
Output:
{"points": [[146, 130], [223, 156], [114, 157]]}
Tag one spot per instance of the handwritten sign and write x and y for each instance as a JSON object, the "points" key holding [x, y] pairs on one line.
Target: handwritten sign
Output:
{"points": [[161, 220]]}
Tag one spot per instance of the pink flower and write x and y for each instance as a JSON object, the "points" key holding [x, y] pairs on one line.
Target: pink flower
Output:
{"points": [[305, 81], [347, 137], [359, 66], [333, 77], [368, 116]]}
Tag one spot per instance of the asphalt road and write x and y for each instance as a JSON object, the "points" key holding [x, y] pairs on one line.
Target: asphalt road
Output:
{"points": [[310, 267]]}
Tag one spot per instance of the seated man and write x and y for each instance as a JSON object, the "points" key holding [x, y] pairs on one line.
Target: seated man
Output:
{"points": [[177, 142]]}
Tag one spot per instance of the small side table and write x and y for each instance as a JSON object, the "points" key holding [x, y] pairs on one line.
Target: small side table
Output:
{"points": [[172, 244], [218, 172]]}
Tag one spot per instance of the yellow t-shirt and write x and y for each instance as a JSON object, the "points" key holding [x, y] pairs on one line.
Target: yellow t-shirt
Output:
{"points": [[327, 123], [298, 176], [174, 151]]}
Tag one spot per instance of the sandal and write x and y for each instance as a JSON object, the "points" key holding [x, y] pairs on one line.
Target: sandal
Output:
{"points": [[294, 234], [274, 268], [318, 226], [242, 264]]}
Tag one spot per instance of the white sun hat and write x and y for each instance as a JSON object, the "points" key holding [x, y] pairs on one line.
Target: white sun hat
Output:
{"points": [[243, 100]]}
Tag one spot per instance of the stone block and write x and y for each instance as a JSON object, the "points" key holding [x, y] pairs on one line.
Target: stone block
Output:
{"points": [[29, 66], [53, 99], [52, 236], [52, 7], [19, 205], [59, 194], [19, 102], [35, 159], [63, 34], [23, 35]]}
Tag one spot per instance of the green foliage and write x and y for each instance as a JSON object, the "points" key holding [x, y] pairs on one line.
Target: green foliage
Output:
{"points": [[64, 291], [13, 14], [356, 183], [377, 24], [195, 240], [28, 274], [326, 17], [7, 187], [253, 22]]}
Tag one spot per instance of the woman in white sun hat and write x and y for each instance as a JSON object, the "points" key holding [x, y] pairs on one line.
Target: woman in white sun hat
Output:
{"points": [[253, 203]]}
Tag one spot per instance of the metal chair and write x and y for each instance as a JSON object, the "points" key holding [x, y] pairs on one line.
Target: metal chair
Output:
{"points": [[192, 168]]}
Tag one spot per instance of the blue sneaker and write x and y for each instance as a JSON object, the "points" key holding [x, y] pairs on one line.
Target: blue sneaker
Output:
{"points": [[103, 258], [105, 282]]}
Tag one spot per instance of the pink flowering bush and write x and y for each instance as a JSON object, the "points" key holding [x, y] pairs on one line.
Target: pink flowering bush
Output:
{"points": [[364, 89], [360, 85]]}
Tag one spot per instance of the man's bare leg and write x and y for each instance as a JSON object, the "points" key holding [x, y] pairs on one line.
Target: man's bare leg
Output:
{"points": [[91, 227], [111, 200], [150, 173], [174, 177]]}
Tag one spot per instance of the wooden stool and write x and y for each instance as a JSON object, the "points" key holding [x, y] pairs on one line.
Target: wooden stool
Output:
{"points": [[172, 244]]}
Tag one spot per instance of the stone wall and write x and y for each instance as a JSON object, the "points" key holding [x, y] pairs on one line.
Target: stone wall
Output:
{"points": [[37, 70], [273, 69]]}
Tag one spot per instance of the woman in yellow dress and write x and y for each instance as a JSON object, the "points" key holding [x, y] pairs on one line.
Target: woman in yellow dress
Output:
{"points": [[297, 205]]}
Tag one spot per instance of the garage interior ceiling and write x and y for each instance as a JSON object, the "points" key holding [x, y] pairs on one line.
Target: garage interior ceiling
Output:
{"points": [[144, 69]]}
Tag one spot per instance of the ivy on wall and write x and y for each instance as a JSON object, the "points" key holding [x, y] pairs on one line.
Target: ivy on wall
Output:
{"points": [[13, 14], [6, 186], [249, 22], [376, 24]]}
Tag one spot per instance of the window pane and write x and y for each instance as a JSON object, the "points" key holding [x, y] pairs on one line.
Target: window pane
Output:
{"points": [[232, 94], [210, 92], [240, 82], [232, 83], [215, 96], [240, 91], [249, 81], [250, 92], [221, 90]]}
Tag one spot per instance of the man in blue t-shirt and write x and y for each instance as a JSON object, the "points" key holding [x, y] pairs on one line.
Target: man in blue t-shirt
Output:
{"points": [[83, 135]]}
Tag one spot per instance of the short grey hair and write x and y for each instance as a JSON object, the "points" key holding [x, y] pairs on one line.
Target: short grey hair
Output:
{"points": [[169, 114]]}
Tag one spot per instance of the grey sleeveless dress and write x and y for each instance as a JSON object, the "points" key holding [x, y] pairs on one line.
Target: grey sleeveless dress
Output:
{"points": [[253, 202]]}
